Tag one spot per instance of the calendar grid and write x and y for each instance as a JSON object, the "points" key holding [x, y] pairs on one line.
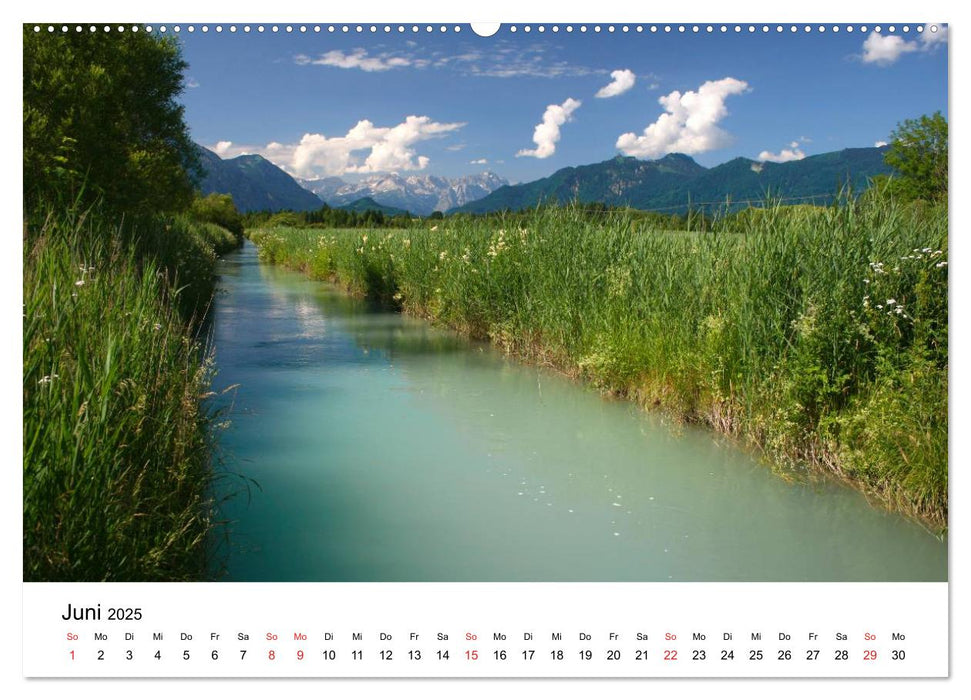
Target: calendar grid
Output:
{"points": [[486, 630]]}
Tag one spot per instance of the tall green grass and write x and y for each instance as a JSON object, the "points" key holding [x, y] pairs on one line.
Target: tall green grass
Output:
{"points": [[818, 334], [117, 435]]}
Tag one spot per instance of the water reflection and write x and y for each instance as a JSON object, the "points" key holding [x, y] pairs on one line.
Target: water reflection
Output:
{"points": [[388, 450]]}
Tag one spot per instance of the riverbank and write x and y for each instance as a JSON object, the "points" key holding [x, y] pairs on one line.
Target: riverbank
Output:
{"points": [[818, 335], [391, 449], [118, 438]]}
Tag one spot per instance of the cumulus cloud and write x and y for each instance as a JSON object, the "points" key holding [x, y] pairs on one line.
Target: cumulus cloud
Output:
{"points": [[880, 144], [547, 132], [478, 161], [226, 149], [783, 156], [315, 155], [621, 82], [886, 49], [359, 58], [689, 123]]}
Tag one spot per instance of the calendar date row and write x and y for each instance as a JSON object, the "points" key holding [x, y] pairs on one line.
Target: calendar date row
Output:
{"points": [[496, 655]]}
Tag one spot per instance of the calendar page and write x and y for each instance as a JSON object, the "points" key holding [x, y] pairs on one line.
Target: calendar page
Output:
{"points": [[514, 350]]}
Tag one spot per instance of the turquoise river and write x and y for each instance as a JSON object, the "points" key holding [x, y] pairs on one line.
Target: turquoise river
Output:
{"points": [[383, 449]]}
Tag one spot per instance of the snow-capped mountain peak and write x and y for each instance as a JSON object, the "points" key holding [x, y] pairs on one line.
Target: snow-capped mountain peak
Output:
{"points": [[419, 194]]}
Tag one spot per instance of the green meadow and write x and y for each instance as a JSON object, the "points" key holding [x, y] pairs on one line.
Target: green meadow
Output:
{"points": [[817, 334]]}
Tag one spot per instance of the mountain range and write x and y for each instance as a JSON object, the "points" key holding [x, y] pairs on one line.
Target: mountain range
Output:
{"points": [[671, 183], [254, 182], [419, 194], [675, 182], [366, 204]]}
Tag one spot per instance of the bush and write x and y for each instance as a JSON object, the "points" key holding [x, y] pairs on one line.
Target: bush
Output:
{"points": [[218, 209]]}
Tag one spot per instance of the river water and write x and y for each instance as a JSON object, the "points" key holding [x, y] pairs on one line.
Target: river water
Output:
{"points": [[388, 450]]}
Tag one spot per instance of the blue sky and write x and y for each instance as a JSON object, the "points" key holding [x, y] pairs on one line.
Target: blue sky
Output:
{"points": [[524, 105]]}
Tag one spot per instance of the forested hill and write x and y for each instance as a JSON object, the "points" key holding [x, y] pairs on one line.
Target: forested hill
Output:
{"points": [[675, 182], [254, 183], [366, 204]]}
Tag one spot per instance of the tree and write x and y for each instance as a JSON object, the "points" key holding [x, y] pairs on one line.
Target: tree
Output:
{"points": [[218, 209], [918, 152], [288, 219], [101, 120]]}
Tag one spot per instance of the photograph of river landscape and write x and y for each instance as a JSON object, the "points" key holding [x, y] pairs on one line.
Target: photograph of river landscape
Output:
{"points": [[315, 303]]}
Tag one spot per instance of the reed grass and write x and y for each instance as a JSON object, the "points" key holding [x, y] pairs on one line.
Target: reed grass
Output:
{"points": [[117, 431], [817, 334]]}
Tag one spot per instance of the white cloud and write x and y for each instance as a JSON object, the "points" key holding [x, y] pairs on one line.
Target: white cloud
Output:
{"points": [[885, 49], [880, 144], [455, 147], [547, 132], [315, 155], [360, 59], [689, 123], [478, 161], [225, 149], [514, 60], [503, 60], [621, 82], [191, 82], [783, 156], [793, 152]]}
